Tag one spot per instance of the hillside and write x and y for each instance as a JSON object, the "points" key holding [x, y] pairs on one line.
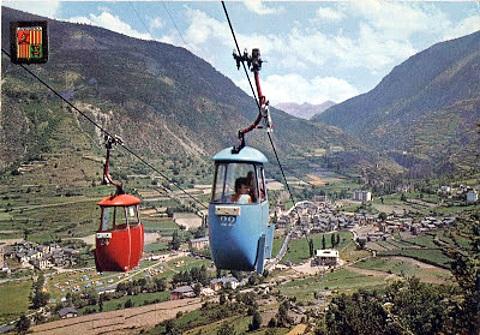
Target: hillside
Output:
{"points": [[424, 112], [161, 99], [305, 110]]}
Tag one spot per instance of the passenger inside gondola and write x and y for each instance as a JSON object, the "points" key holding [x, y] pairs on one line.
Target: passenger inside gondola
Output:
{"points": [[242, 192]]}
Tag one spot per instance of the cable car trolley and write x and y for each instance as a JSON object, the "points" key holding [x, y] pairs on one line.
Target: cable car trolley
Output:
{"points": [[120, 237], [240, 235]]}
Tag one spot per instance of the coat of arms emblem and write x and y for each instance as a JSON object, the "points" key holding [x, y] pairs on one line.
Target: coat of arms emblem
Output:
{"points": [[29, 42]]}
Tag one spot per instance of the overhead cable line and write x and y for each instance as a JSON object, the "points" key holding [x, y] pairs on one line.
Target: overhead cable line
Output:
{"points": [[257, 102], [174, 24], [106, 132]]}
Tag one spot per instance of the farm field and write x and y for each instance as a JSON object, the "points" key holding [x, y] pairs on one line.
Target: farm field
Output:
{"points": [[198, 323], [406, 267], [137, 300], [164, 226], [342, 280], [15, 299], [430, 256], [425, 248], [156, 247]]}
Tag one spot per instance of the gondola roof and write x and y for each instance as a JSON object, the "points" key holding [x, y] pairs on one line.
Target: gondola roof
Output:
{"points": [[247, 154]]}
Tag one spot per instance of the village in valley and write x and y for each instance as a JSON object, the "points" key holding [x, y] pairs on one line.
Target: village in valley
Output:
{"points": [[318, 238]]}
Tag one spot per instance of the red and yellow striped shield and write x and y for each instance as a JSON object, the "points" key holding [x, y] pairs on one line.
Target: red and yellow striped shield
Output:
{"points": [[30, 42]]}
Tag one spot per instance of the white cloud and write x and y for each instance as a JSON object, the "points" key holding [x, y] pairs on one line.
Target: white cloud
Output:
{"points": [[301, 47], [467, 26], [258, 7], [329, 14], [111, 22], [400, 20], [156, 23], [374, 51], [42, 8], [204, 27], [294, 88]]}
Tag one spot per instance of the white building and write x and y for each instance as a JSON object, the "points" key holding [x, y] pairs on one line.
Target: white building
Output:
{"points": [[472, 197], [362, 196], [326, 257]]}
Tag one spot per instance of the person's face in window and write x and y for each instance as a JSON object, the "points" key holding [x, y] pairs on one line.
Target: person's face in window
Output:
{"points": [[244, 189]]}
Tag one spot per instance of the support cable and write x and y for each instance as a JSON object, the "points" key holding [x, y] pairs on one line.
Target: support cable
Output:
{"points": [[257, 102]]}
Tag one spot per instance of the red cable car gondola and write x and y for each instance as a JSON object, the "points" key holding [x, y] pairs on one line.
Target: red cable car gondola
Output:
{"points": [[119, 239]]}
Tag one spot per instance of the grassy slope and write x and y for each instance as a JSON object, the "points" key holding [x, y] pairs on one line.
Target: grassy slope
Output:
{"points": [[298, 250], [15, 299], [343, 280]]}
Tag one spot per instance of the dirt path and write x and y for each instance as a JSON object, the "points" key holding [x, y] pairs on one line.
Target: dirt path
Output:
{"points": [[121, 321]]}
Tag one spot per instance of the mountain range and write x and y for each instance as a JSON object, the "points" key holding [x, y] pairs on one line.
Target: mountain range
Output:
{"points": [[305, 110], [424, 113], [168, 103], [159, 98]]}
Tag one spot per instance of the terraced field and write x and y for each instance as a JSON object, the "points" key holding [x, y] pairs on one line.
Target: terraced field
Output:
{"points": [[406, 267], [342, 280], [428, 248]]}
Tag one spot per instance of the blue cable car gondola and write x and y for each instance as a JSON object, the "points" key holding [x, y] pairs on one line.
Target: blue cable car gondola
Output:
{"points": [[240, 236]]}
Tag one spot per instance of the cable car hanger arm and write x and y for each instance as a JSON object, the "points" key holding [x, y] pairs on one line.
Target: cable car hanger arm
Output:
{"points": [[254, 62], [107, 178]]}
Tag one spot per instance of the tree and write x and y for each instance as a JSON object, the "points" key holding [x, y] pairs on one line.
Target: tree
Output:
{"points": [[160, 284], [26, 233], [176, 241], [40, 299], [466, 270], [323, 242], [361, 242], [418, 307], [171, 328], [197, 288], [128, 303], [23, 324], [226, 329], [256, 321], [382, 216], [282, 315], [332, 240], [272, 323], [403, 197], [337, 240], [100, 303], [358, 314], [200, 232], [223, 299], [310, 247]]}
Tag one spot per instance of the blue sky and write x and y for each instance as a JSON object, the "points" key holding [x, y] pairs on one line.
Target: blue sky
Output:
{"points": [[315, 51]]}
